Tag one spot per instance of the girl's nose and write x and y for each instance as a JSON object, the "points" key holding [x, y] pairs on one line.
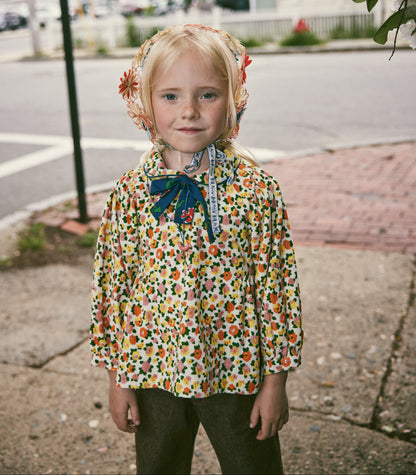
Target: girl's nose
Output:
{"points": [[190, 110]]}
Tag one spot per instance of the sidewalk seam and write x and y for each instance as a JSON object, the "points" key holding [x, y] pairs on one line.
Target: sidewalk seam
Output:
{"points": [[395, 346]]}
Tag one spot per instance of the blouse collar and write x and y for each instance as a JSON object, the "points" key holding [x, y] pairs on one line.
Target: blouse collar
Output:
{"points": [[224, 168]]}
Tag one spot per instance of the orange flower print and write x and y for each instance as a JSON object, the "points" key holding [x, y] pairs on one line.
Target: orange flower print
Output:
{"points": [[292, 337], [143, 332], [233, 330], [198, 353], [251, 387], [213, 249], [262, 184], [176, 274], [227, 275], [247, 356], [161, 353], [159, 254], [230, 307], [246, 183], [132, 339], [285, 361]]}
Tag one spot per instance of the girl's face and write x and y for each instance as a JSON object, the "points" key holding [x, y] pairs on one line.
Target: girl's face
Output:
{"points": [[189, 101]]}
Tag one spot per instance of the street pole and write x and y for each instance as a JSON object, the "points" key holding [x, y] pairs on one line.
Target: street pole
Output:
{"points": [[72, 93], [34, 28]]}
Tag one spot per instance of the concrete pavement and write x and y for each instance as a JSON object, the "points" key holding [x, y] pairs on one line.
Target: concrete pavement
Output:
{"points": [[353, 401]]}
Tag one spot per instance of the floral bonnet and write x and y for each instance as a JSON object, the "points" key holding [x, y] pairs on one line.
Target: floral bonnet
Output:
{"points": [[130, 86]]}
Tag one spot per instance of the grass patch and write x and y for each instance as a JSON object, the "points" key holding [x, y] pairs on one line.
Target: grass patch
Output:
{"points": [[303, 38], [87, 240], [32, 238], [40, 245]]}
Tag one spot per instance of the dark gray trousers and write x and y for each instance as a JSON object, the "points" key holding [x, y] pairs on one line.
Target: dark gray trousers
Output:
{"points": [[169, 424]]}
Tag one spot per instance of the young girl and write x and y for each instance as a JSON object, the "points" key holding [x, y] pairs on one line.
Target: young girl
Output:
{"points": [[195, 305]]}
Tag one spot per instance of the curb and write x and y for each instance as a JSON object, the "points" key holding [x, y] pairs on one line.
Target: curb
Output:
{"points": [[332, 147], [335, 46]]}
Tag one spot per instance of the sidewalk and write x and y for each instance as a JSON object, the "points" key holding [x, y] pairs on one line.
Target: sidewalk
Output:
{"points": [[352, 402], [332, 46]]}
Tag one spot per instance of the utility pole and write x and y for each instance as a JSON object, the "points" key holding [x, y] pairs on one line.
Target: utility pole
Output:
{"points": [[72, 94], [34, 27]]}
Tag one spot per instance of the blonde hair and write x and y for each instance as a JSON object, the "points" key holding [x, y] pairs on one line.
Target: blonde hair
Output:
{"points": [[218, 50]]}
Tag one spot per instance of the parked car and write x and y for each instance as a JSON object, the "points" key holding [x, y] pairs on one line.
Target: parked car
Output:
{"points": [[166, 6], [3, 23], [13, 20], [234, 4], [133, 7]]}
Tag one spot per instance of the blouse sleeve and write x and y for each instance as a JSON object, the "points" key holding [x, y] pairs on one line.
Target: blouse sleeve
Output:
{"points": [[114, 264], [277, 288]]}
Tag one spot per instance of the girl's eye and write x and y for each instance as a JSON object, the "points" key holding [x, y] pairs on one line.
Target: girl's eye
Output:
{"points": [[208, 95], [170, 97]]}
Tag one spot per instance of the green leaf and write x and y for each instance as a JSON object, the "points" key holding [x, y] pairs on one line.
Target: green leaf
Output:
{"points": [[371, 4], [394, 21]]}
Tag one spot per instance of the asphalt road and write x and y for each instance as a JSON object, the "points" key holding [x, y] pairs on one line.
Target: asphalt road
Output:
{"points": [[297, 102]]}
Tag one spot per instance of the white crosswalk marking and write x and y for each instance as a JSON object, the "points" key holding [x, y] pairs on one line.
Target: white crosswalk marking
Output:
{"points": [[34, 159], [60, 147]]}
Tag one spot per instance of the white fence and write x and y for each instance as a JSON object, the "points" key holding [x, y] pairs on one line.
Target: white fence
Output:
{"points": [[262, 26], [111, 32]]}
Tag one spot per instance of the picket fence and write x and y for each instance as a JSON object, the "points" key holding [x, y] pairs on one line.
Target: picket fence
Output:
{"points": [[111, 32], [267, 26]]}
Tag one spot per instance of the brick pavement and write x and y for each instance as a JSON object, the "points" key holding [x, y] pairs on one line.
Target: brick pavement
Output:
{"points": [[362, 198]]}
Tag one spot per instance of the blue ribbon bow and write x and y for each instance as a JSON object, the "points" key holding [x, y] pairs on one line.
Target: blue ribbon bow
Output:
{"points": [[189, 195]]}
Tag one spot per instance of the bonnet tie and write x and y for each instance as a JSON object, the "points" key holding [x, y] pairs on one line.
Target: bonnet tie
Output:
{"points": [[189, 195]]}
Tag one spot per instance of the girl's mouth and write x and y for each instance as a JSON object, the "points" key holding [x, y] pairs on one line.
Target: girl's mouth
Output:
{"points": [[189, 130]]}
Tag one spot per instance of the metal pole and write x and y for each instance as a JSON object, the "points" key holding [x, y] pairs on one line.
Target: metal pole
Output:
{"points": [[34, 27], [70, 75]]}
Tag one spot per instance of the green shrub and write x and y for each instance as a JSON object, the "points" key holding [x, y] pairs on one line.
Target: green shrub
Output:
{"points": [[303, 38], [32, 238], [134, 36], [133, 33], [78, 43], [150, 11], [340, 32], [251, 42], [102, 49]]}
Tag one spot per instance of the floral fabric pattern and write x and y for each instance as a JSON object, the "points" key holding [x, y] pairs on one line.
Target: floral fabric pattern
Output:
{"points": [[171, 310]]}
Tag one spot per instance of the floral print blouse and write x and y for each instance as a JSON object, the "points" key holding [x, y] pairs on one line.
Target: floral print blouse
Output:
{"points": [[171, 310]]}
